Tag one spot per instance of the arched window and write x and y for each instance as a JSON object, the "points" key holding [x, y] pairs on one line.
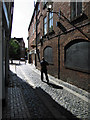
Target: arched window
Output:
{"points": [[77, 55], [48, 54]]}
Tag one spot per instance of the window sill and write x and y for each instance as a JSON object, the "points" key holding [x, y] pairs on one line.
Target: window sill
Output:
{"points": [[44, 36], [51, 32]]}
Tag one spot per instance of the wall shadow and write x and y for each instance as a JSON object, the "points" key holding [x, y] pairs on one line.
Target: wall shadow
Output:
{"points": [[35, 106]]}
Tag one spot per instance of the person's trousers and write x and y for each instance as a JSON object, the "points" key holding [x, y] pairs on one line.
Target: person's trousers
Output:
{"points": [[45, 72]]}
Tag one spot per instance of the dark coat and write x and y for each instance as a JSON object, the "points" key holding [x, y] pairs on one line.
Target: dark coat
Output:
{"points": [[44, 65]]}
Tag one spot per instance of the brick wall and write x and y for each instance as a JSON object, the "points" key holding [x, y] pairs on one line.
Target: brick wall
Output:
{"points": [[72, 76], [80, 79]]}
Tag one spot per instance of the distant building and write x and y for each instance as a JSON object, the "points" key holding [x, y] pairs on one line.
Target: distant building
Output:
{"points": [[6, 16], [22, 46], [67, 54]]}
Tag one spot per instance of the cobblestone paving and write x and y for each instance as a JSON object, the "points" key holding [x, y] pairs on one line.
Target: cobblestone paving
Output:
{"points": [[72, 103], [36, 108], [22, 100], [15, 107]]}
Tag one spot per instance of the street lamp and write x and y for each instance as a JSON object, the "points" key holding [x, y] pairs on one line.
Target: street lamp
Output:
{"points": [[49, 9]]}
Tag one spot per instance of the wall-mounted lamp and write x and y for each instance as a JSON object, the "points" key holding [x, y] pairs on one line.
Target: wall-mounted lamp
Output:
{"points": [[49, 7]]}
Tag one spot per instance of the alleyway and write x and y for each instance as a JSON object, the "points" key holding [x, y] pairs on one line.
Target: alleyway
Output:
{"points": [[28, 97]]}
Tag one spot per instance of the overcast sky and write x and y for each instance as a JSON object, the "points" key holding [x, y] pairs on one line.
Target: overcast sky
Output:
{"points": [[23, 10]]}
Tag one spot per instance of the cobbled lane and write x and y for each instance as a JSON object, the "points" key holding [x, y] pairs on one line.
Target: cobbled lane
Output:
{"points": [[71, 102]]}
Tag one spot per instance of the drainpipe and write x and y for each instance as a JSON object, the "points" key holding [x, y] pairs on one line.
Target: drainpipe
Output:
{"points": [[36, 39], [59, 55], [59, 49]]}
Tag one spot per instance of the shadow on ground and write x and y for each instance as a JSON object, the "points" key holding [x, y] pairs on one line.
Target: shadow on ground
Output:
{"points": [[53, 85], [40, 104]]}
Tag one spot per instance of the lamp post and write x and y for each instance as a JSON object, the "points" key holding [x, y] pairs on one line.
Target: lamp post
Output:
{"points": [[49, 7]]}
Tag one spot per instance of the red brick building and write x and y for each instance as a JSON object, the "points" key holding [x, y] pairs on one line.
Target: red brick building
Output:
{"points": [[64, 45]]}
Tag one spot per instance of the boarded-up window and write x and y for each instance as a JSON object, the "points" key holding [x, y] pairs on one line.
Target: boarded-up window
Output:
{"points": [[48, 55], [77, 56]]}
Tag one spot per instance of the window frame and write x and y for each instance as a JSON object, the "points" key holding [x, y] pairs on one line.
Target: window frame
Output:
{"points": [[50, 22], [44, 24], [74, 9], [38, 7]]}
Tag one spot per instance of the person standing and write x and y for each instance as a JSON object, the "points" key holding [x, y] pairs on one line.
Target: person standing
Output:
{"points": [[44, 65]]}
